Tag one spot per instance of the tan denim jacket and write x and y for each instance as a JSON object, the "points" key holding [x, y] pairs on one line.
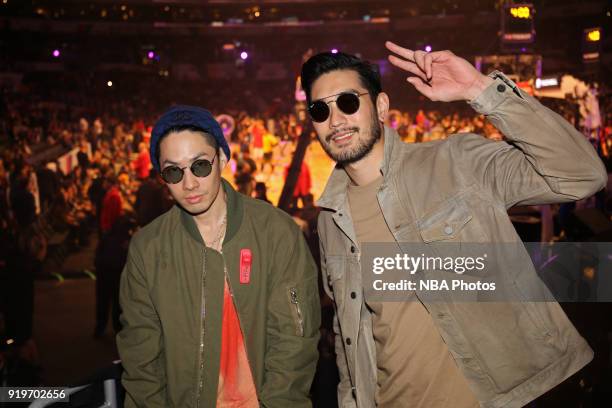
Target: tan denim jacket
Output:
{"points": [[458, 190]]}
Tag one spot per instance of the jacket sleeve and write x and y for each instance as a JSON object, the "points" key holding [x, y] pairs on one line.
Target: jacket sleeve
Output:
{"points": [[140, 342], [545, 159], [294, 319], [345, 394]]}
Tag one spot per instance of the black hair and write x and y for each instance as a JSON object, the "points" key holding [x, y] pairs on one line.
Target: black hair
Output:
{"points": [[111, 178], [261, 187], [325, 62], [210, 139]]}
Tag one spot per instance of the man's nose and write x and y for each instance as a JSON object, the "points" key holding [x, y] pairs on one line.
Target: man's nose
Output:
{"points": [[190, 181], [337, 118]]}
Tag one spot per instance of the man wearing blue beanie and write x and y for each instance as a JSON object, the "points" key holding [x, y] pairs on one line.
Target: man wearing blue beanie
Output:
{"points": [[219, 295]]}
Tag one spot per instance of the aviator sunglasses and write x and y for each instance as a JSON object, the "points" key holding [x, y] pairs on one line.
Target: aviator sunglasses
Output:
{"points": [[199, 168], [347, 102]]}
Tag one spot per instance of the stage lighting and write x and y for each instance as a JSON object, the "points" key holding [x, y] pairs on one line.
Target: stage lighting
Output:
{"points": [[548, 82], [591, 44], [593, 35], [517, 25], [150, 55], [428, 48], [244, 55], [109, 83], [520, 12], [334, 51], [56, 53]]}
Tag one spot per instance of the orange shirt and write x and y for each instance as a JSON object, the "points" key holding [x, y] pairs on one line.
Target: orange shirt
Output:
{"points": [[236, 385]]}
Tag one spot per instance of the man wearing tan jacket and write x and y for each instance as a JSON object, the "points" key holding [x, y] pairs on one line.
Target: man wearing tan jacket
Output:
{"points": [[441, 354]]}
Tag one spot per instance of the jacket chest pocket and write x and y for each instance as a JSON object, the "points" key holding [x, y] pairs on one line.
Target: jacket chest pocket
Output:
{"points": [[451, 221]]}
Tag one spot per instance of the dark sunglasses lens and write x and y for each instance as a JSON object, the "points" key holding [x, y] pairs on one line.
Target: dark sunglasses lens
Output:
{"points": [[172, 174], [319, 111], [201, 168], [348, 103]]}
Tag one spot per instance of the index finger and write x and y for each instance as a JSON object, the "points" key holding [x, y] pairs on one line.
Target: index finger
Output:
{"points": [[404, 52]]}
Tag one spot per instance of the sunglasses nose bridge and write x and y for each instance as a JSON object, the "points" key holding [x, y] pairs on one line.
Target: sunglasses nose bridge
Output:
{"points": [[336, 116], [190, 180]]}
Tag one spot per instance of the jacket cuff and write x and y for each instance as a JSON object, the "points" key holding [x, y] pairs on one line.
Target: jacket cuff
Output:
{"points": [[500, 89]]}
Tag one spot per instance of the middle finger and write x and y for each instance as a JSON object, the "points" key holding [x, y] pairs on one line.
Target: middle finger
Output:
{"points": [[419, 59]]}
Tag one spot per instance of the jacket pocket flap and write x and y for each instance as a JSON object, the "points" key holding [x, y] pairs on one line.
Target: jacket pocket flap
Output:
{"points": [[445, 223]]}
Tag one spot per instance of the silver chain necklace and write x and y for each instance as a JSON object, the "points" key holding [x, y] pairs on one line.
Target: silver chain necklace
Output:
{"points": [[215, 243]]}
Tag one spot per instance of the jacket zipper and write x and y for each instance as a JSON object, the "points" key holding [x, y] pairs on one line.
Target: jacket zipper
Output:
{"points": [[202, 316], [298, 312]]}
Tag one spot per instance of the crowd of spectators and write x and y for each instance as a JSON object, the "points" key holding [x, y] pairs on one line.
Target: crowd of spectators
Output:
{"points": [[65, 179]]}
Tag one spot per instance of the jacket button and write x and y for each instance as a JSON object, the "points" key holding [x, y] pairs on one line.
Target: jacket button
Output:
{"points": [[448, 230], [352, 249], [348, 341], [353, 295], [501, 88], [340, 214]]}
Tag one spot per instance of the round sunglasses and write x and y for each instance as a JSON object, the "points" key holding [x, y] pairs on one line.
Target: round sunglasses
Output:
{"points": [[347, 102], [199, 168]]}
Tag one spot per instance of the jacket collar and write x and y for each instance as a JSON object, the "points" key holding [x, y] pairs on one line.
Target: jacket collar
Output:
{"points": [[334, 195], [234, 215]]}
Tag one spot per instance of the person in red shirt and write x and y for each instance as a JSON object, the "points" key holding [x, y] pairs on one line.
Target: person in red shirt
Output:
{"points": [[257, 132], [302, 185], [112, 205], [142, 164]]}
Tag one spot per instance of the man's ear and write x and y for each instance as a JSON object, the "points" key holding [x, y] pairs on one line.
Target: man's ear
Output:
{"points": [[222, 158], [382, 107]]}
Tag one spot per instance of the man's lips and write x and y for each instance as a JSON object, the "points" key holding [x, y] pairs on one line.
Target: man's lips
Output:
{"points": [[341, 136], [193, 199]]}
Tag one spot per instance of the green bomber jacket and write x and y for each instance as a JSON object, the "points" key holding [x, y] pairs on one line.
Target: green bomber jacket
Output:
{"points": [[172, 295]]}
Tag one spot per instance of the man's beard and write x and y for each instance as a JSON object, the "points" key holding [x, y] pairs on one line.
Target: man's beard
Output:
{"points": [[354, 154]]}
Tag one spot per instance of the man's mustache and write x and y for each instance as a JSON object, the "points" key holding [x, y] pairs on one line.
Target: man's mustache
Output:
{"points": [[329, 137]]}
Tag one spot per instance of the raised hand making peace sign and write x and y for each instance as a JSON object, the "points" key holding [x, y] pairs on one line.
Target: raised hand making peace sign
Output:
{"points": [[440, 75]]}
